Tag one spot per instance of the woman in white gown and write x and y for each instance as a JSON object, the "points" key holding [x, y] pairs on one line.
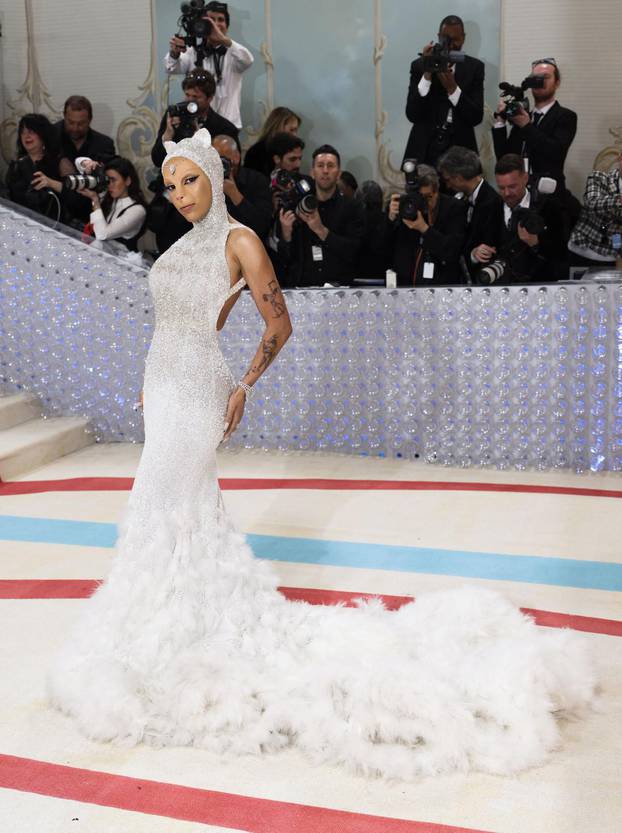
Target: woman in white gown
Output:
{"points": [[188, 642]]}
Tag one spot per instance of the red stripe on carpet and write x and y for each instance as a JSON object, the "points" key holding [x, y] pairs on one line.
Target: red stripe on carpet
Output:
{"points": [[83, 588], [256, 815], [110, 484]]}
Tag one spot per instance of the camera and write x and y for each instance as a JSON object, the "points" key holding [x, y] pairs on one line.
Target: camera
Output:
{"points": [[491, 273], [226, 167], [186, 111], [294, 191], [97, 181], [194, 22], [441, 57], [514, 97], [411, 202]]}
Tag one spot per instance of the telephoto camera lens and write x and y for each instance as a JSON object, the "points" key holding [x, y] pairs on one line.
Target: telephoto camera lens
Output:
{"points": [[78, 182], [492, 273]]}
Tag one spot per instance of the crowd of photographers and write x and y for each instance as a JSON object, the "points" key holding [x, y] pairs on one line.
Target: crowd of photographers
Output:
{"points": [[450, 226]]}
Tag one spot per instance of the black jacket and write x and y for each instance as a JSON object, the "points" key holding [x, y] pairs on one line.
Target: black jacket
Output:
{"points": [[257, 158], [484, 222], [215, 123], [429, 113], [18, 182], [441, 245], [96, 145], [344, 219], [546, 145], [546, 262]]}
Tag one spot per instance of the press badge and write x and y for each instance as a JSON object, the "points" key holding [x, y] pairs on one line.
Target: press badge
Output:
{"points": [[428, 270], [316, 251]]}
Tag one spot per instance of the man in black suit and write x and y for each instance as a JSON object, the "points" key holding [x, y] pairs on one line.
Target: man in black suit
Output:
{"points": [[461, 169], [77, 138], [427, 250], [544, 136], [444, 107]]}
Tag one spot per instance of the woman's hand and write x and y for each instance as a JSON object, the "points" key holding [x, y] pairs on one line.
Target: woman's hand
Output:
{"points": [[41, 181], [235, 412], [93, 196]]}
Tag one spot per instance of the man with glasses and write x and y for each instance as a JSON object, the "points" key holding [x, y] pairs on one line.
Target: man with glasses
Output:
{"points": [[542, 137]]}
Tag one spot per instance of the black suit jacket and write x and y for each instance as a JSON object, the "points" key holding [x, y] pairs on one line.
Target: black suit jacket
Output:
{"points": [[441, 245], [486, 222], [546, 145], [429, 112]]}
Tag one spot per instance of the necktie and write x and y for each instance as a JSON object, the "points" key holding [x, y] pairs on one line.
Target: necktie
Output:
{"points": [[218, 54], [536, 118]]}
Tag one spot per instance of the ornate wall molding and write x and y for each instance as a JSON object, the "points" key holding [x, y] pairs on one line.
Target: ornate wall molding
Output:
{"points": [[32, 96], [137, 132], [390, 175]]}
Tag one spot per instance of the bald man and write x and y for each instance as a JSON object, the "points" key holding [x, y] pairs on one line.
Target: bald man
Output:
{"points": [[247, 192]]}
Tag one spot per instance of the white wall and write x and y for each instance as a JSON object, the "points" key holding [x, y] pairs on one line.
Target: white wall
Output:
{"points": [[583, 37]]}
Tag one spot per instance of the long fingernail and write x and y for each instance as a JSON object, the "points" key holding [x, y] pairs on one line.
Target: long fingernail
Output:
{"points": [[226, 426]]}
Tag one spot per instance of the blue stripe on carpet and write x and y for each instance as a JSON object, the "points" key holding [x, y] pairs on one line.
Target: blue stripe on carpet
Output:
{"points": [[562, 572]]}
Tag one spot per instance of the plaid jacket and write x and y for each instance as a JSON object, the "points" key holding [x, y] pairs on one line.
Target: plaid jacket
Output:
{"points": [[601, 214]]}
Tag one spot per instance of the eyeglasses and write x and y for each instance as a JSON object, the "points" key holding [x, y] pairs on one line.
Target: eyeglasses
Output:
{"points": [[550, 61]]}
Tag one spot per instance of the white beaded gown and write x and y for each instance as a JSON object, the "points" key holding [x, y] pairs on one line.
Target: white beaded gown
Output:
{"points": [[188, 641]]}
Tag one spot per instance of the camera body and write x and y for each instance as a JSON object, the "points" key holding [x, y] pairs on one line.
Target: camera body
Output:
{"points": [[441, 57], [186, 112], [411, 203], [514, 97], [97, 181], [226, 167], [194, 23], [294, 191]]}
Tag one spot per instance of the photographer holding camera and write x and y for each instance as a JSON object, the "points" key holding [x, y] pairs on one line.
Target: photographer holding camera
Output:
{"points": [[428, 230], [532, 246], [320, 234], [461, 169], [543, 137], [247, 192], [183, 120], [445, 97], [207, 45]]}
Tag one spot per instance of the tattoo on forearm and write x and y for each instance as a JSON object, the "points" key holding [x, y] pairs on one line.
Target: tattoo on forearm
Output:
{"points": [[275, 299], [268, 350]]}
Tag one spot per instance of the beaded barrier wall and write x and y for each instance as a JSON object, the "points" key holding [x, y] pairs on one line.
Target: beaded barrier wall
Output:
{"points": [[520, 376]]}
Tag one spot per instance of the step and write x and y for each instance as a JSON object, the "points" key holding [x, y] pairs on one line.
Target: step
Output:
{"points": [[39, 441], [17, 408]]}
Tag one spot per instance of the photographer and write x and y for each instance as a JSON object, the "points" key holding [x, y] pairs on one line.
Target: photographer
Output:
{"points": [[532, 245], [428, 230], [34, 179], [461, 169], [544, 136], [120, 214], [247, 192], [178, 122], [320, 237], [446, 102], [279, 120], [285, 152], [596, 240], [225, 59]]}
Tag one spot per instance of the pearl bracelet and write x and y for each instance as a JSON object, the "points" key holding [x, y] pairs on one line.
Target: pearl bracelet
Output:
{"points": [[246, 388]]}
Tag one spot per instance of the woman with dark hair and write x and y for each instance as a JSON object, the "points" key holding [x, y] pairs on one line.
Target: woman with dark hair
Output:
{"points": [[279, 120], [121, 214], [34, 179]]}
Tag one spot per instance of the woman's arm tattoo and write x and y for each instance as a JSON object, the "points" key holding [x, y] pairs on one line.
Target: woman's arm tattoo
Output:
{"points": [[275, 298], [268, 350]]}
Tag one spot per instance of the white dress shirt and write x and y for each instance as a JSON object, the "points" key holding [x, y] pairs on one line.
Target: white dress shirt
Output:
{"points": [[424, 88], [507, 211], [114, 226], [236, 60]]}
